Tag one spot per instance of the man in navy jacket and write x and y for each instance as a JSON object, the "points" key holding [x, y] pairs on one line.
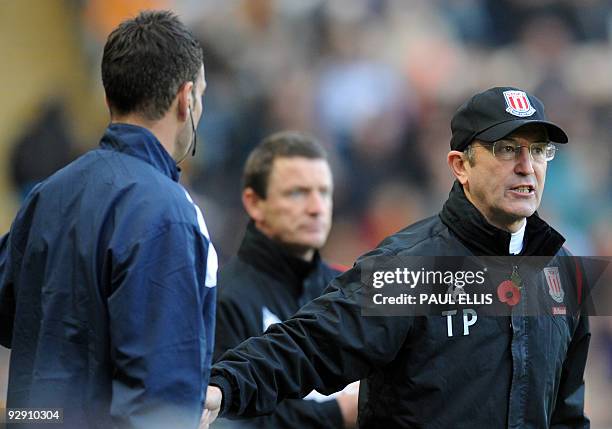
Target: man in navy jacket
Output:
{"points": [[108, 275]]}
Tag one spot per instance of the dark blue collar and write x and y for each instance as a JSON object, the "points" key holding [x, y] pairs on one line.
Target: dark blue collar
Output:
{"points": [[142, 144]]}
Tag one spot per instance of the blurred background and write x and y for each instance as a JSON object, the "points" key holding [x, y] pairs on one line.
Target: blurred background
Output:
{"points": [[377, 81]]}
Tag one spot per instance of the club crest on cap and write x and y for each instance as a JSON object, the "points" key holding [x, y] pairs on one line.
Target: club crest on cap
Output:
{"points": [[517, 103]]}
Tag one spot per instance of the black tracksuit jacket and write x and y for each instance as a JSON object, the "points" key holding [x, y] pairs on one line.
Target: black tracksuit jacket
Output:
{"points": [[513, 371], [264, 284]]}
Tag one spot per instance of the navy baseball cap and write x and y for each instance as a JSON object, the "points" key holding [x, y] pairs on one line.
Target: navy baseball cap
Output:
{"points": [[493, 114]]}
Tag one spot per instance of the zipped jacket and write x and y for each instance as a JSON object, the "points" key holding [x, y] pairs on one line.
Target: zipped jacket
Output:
{"points": [[262, 285], [515, 371], [107, 291]]}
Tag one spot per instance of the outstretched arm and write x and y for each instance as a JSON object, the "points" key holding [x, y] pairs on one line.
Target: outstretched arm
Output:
{"points": [[324, 346]]}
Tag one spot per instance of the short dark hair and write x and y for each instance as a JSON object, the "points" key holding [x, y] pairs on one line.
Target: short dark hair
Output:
{"points": [[146, 60], [284, 144]]}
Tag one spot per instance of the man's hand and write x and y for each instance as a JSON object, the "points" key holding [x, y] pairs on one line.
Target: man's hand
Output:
{"points": [[211, 407], [347, 402]]}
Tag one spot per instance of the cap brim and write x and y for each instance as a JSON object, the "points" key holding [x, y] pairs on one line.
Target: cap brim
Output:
{"points": [[499, 131]]}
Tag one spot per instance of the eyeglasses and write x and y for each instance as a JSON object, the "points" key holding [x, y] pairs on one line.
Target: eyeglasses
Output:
{"points": [[508, 150]]}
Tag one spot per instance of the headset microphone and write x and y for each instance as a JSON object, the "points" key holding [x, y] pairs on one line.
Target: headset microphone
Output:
{"points": [[195, 136]]}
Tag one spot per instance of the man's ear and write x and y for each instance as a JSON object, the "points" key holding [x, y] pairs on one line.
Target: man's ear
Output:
{"points": [[252, 204], [184, 101], [108, 106], [459, 165]]}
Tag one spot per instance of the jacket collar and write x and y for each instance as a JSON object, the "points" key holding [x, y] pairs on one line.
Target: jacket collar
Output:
{"points": [[270, 257], [142, 144], [484, 239]]}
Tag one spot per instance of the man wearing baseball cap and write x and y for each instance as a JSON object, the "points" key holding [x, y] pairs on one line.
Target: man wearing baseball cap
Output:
{"points": [[441, 370]]}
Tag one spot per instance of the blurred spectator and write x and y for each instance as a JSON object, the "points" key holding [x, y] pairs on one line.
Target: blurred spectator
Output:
{"points": [[48, 134]]}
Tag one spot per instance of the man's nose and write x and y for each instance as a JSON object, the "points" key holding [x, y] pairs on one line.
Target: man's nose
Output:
{"points": [[524, 163], [316, 203]]}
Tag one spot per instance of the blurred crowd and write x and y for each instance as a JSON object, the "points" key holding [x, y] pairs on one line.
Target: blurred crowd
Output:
{"points": [[377, 81]]}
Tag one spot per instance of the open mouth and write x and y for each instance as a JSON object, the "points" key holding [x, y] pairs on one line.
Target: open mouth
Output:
{"points": [[524, 189]]}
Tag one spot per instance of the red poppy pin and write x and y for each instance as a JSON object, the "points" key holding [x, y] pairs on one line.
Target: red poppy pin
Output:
{"points": [[508, 292]]}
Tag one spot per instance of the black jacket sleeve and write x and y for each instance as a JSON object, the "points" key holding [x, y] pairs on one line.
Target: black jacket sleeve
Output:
{"points": [[569, 408], [301, 413], [324, 346], [569, 404]]}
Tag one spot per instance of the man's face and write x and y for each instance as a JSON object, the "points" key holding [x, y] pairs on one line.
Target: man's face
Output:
{"points": [[297, 209], [506, 192], [185, 137]]}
